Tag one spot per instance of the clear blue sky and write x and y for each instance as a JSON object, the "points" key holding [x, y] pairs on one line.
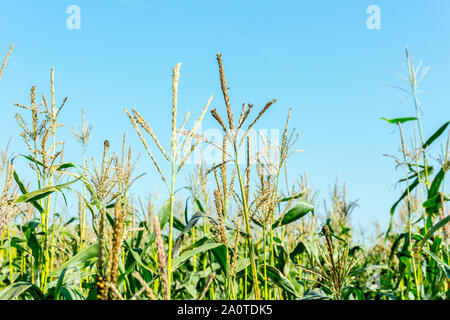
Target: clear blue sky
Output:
{"points": [[317, 57]]}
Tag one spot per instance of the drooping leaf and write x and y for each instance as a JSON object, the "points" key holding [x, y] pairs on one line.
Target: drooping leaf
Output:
{"points": [[42, 193], [25, 191], [71, 294], [64, 166], [442, 265], [177, 224], [199, 204], [436, 199], [17, 289], [177, 261], [59, 284], [433, 204], [241, 264], [80, 261], [421, 174], [316, 294], [430, 232], [220, 252], [399, 120], [192, 222], [164, 214], [15, 243], [72, 278], [279, 279], [396, 243], [435, 135], [29, 231], [298, 250], [186, 206], [301, 208], [135, 255], [437, 182], [58, 167], [281, 255], [387, 293]]}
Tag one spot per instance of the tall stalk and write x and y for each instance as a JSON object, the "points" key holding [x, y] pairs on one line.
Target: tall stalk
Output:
{"points": [[409, 210], [413, 82], [178, 153], [171, 206], [247, 223]]}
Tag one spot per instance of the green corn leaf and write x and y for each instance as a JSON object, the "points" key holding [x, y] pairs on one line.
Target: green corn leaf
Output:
{"points": [[301, 208], [421, 174], [71, 294], [430, 232], [178, 261], [42, 193], [177, 224], [199, 205], [316, 294], [433, 204], [279, 279], [396, 244], [17, 289], [435, 135], [298, 250], [29, 231], [83, 259], [442, 265], [399, 120], [59, 284], [135, 256], [220, 252], [164, 214], [241, 264], [25, 191], [63, 166], [186, 206], [58, 167], [192, 222], [437, 182]]}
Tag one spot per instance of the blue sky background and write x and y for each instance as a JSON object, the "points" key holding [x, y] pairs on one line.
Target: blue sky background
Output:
{"points": [[317, 57]]}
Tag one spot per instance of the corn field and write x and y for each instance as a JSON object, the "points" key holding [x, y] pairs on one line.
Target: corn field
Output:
{"points": [[241, 234]]}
